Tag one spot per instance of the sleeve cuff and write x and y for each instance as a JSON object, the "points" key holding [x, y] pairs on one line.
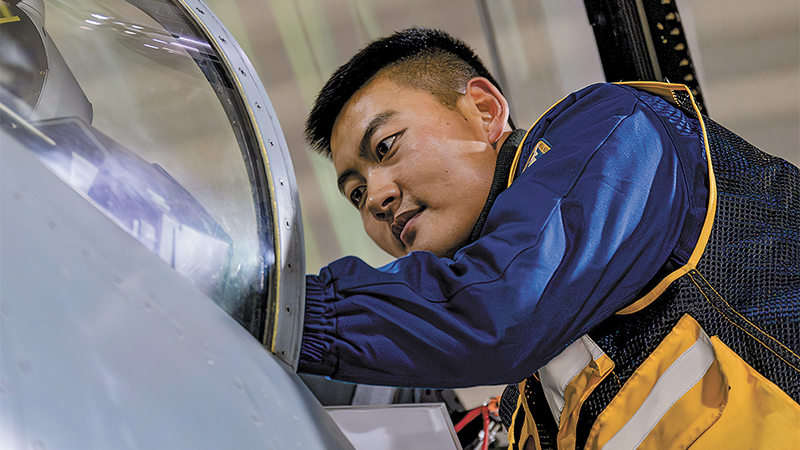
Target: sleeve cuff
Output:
{"points": [[319, 327]]}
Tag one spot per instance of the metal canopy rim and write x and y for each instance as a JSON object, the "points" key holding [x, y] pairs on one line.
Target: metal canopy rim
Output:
{"points": [[287, 287]]}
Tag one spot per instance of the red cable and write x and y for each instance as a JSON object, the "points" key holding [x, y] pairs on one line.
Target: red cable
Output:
{"points": [[468, 418], [472, 414]]}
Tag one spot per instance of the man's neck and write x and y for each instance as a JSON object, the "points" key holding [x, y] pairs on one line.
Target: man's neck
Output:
{"points": [[507, 144]]}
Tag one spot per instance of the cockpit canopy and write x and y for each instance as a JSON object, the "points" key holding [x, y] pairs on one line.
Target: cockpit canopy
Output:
{"points": [[138, 107]]}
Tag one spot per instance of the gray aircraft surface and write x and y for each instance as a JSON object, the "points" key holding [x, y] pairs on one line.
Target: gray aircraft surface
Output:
{"points": [[149, 230]]}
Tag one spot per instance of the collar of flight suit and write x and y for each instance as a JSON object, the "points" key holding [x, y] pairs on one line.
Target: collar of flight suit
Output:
{"points": [[505, 160]]}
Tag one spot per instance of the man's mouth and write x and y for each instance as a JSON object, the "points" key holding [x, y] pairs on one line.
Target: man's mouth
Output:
{"points": [[400, 229]]}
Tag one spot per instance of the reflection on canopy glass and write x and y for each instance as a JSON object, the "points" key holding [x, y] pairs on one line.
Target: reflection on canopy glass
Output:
{"points": [[129, 104]]}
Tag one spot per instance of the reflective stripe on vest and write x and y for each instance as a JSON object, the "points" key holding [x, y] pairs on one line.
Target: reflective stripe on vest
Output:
{"points": [[679, 364], [556, 374], [568, 379], [675, 395], [690, 367]]}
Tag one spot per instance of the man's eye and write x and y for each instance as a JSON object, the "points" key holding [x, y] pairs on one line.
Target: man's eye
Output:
{"points": [[356, 195], [384, 146]]}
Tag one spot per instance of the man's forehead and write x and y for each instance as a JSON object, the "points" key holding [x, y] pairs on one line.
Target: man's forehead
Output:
{"points": [[374, 96]]}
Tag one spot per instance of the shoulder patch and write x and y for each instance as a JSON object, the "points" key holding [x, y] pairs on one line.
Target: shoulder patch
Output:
{"points": [[541, 147]]}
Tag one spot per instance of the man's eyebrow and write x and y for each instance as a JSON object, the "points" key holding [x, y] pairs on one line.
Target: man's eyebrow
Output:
{"points": [[374, 124], [364, 145], [343, 178]]}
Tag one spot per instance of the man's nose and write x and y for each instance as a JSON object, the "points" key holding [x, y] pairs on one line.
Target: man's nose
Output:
{"points": [[383, 198]]}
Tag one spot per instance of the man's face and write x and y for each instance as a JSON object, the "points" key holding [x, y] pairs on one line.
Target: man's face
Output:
{"points": [[418, 172]]}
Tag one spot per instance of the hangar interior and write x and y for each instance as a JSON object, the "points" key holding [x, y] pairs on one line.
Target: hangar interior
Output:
{"points": [[746, 54]]}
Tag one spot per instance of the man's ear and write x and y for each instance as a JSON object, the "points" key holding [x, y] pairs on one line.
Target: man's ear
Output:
{"points": [[491, 104]]}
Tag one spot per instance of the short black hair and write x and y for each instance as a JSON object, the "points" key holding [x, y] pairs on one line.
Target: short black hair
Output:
{"points": [[407, 45]]}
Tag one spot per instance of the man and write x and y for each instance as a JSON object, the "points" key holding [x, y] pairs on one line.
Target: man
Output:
{"points": [[589, 259]]}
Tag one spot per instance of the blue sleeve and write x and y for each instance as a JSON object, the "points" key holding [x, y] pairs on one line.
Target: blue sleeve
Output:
{"points": [[574, 239]]}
